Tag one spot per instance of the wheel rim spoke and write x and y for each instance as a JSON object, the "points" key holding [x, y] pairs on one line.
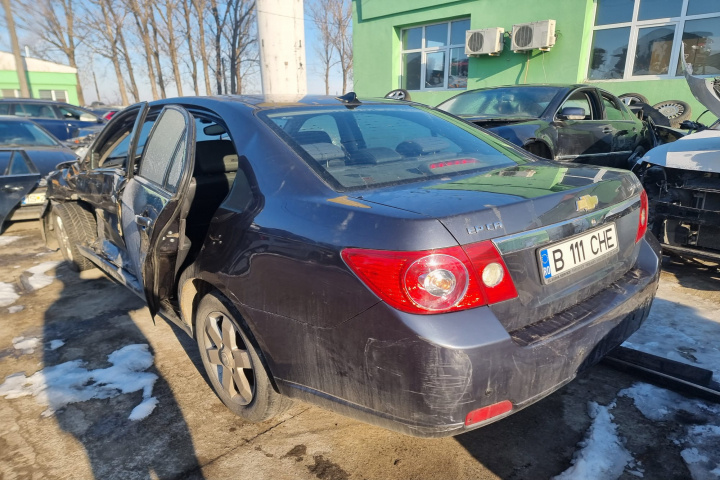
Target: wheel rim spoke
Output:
{"points": [[242, 384], [227, 380], [213, 355], [213, 332], [228, 334], [241, 358]]}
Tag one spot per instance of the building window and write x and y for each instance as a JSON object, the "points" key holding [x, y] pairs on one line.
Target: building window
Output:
{"points": [[433, 56], [642, 38], [58, 95], [10, 93]]}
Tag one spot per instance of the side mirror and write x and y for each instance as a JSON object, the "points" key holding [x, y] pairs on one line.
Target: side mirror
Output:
{"points": [[572, 113]]}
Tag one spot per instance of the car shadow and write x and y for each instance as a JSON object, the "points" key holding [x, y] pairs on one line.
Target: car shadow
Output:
{"points": [[696, 275], [92, 317]]}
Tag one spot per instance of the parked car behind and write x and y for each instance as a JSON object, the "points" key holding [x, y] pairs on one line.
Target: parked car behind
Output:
{"points": [[27, 154], [382, 259], [576, 123], [63, 120]]}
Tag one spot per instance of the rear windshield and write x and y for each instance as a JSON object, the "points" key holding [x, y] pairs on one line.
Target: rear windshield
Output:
{"points": [[377, 145]]}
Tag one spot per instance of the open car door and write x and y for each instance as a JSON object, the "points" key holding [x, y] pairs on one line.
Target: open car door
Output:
{"points": [[18, 176], [151, 202]]}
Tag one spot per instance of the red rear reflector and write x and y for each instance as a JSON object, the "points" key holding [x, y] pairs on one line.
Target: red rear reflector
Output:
{"points": [[643, 220], [452, 163], [486, 413]]}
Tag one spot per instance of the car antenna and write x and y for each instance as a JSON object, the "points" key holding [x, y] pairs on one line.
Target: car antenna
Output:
{"points": [[350, 100]]}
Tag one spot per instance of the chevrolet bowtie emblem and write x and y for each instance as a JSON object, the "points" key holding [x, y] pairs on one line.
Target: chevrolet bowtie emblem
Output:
{"points": [[586, 202]]}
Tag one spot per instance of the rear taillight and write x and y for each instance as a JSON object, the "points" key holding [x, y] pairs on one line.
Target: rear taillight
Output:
{"points": [[434, 281], [643, 220]]}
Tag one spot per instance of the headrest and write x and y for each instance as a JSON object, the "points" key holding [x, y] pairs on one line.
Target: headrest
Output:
{"points": [[374, 156], [324, 152], [311, 136], [422, 146], [215, 156]]}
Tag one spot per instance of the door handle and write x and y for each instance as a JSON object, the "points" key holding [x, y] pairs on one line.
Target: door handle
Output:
{"points": [[10, 188], [144, 222], [607, 130]]}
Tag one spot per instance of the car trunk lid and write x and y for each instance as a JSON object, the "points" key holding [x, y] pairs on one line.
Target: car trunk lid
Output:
{"points": [[524, 210]]}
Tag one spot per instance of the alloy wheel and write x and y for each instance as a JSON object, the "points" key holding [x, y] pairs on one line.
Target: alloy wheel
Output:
{"points": [[227, 351], [63, 238]]}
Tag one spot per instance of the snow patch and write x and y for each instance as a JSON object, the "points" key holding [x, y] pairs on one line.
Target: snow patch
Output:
{"points": [[38, 278], [8, 239], [25, 345], [69, 382], [7, 294], [602, 456], [16, 308], [55, 344]]}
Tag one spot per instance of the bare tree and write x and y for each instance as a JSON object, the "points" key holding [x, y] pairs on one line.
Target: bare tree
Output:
{"points": [[142, 16], [220, 18], [187, 16], [156, 53], [341, 20], [19, 65], [322, 18], [200, 9], [122, 45], [168, 37], [240, 38], [53, 22]]}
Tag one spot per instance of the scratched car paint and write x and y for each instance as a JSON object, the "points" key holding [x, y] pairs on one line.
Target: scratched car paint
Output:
{"points": [[376, 258]]}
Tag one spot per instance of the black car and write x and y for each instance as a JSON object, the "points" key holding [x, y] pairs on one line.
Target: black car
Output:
{"points": [[27, 154], [382, 259], [63, 120], [576, 123]]}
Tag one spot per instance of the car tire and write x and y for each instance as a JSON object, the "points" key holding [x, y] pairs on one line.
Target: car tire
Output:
{"points": [[632, 98], [233, 363], [675, 110], [398, 94], [73, 226], [539, 149]]}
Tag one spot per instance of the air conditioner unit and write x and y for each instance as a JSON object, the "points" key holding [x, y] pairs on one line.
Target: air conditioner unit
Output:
{"points": [[529, 36], [488, 41]]}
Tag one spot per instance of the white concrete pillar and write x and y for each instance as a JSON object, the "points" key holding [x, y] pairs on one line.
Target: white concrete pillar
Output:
{"points": [[281, 35]]}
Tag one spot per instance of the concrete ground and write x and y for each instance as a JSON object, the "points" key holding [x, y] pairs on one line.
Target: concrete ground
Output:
{"points": [[190, 434]]}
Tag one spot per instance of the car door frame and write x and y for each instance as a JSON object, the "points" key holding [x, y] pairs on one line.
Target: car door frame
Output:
{"points": [[156, 267], [602, 132], [621, 129], [14, 187]]}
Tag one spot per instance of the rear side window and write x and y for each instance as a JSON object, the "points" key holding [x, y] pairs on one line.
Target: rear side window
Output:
{"points": [[4, 108], [34, 110], [168, 133], [387, 144]]}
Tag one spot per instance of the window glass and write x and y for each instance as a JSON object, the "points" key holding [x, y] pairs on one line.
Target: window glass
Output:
{"points": [[458, 68], [412, 38], [23, 134], [77, 114], [435, 70], [176, 167], [34, 110], [60, 95], [517, 102], [698, 7], [4, 160], [609, 50], [614, 11], [397, 143], [650, 9], [457, 31], [4, 108], [436, 35], [165, 138], [579, 100], [612, 111], [702, 46], [18, 165], [654, 46], [412, 63], [322, 123], [118, 155]]}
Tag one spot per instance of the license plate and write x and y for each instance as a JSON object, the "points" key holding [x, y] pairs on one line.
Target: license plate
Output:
{"points": [[563, 258], [33, 199]]}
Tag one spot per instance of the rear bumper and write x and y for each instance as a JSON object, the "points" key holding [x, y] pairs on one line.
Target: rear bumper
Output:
{"points": [[421, 375]]}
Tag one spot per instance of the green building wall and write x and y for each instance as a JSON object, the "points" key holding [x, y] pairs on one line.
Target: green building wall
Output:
{"points": [[376, 40], [42, 81]]}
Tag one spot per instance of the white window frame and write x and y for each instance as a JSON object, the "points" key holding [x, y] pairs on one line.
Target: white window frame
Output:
{"points": [[424, 51], [54, 95], [635, 26], [16, 93]]}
